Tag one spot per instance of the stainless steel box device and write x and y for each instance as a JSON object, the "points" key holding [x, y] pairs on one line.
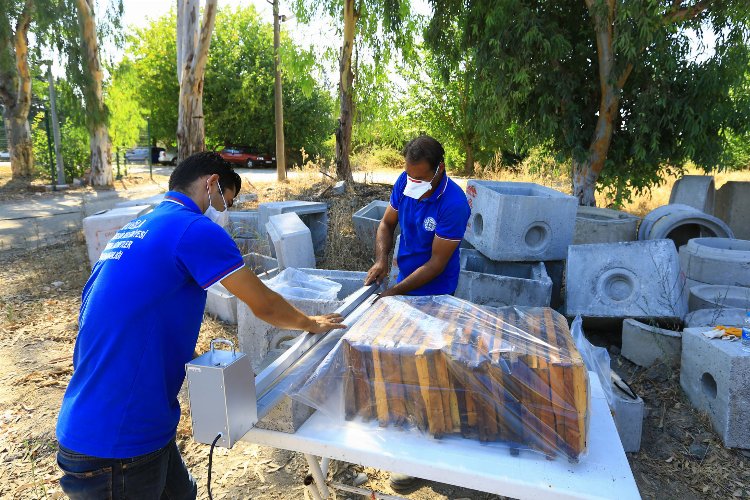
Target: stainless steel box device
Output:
{"points": [[221, 390]]}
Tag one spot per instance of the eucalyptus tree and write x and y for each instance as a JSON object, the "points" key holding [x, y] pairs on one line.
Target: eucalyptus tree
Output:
{"points": [[613, 85]]}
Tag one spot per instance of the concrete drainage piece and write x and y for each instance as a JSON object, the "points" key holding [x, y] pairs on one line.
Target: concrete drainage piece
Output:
{"points": [[719, 297], [366, 221], [291, 240], [731, 316], [645, 344], [717, 261], [639, 279], [519, 221], [602, 225], [313, 214], [697, 191], [733, 207], [681, 223]]}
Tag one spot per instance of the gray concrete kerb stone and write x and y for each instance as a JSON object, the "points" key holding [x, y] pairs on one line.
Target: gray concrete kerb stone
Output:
{"points": [[639, 279], [717, 261], [715, 375], [719, 297], [646, 345], [519, 221], [697, 191], [602, 225]]}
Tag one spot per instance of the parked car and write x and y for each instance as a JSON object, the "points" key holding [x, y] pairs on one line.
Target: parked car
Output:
{"points": [[136, 154], [4, 155], [249, 157], [168, 157]]}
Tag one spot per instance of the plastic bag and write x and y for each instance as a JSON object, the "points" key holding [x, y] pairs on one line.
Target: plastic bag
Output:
{"points": [[596, 358], [446, 366], [292, 283]]}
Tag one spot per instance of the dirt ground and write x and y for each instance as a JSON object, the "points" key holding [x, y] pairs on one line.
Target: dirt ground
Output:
{"points": [[681, 457]]}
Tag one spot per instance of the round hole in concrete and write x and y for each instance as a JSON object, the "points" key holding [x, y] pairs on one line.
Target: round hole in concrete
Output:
{"points": [[478, 225], [537, 236], [686, 232], [618, 286], [708, 383]]}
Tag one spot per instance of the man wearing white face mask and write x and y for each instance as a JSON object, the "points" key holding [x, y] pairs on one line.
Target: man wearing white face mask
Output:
{"points": [[140, 316], [432, 211]]}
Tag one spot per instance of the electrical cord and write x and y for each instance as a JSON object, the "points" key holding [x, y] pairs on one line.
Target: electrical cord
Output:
{"points": [[210, 457]]}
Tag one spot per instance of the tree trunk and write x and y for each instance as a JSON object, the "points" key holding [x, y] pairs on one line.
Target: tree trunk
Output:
{"points": [[19, 142], [15, 93], [96, 113], [469, 163], [192, 54], [584, 183], [346, 79]]}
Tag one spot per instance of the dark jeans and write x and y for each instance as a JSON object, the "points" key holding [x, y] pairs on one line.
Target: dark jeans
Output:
{"points": [[158, 475]]}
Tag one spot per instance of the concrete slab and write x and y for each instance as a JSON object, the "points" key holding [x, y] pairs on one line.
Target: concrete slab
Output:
{"points": [[628, 416], [719, 297], [100, 227], [716, 261], [497, 284], [646, 345], [733, 207], [366, 221], [681, 223], [292, 241], [257, 338], [519, 221], [639, 279], [715, 375], [696, 191], [730, 316], [221, 304], [602, 225], [313, 214]]}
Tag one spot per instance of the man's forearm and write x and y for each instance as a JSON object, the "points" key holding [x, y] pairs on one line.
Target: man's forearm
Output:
{"points": [[282, 314], [383, 243], [421, 276]]}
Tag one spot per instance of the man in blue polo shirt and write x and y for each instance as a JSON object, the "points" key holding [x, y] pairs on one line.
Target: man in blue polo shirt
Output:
{"points": [[432, 211], [140, 316]]}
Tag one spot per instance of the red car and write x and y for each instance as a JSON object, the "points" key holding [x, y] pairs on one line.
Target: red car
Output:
{"points": [[248, 157]]}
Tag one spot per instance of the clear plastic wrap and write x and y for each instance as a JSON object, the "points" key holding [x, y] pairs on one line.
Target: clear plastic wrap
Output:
{"points": [[446, 366], [295, 284], [595, 358]]}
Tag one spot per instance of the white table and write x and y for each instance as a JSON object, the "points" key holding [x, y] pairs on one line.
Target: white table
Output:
{"points": [[603, 473]]}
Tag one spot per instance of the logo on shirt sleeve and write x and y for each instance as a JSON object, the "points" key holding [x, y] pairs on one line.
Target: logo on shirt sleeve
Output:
{"points": [[429, 224]]}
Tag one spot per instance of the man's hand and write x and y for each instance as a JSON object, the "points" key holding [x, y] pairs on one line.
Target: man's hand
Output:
{"points": [[326, 322], [376, 274]]}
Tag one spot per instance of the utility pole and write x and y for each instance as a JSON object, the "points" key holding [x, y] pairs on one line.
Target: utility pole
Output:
{"points": [[55, 127], [278, 104]]}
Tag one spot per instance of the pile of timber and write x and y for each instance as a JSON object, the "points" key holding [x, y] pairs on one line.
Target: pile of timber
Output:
{"points": [[450, 367]]}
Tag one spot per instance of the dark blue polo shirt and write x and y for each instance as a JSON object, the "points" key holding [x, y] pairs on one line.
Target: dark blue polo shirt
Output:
{"points": [[141, 312], [443, 214]]}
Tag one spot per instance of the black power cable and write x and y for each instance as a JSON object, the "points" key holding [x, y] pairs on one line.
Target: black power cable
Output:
{"points": [[210, 457]]}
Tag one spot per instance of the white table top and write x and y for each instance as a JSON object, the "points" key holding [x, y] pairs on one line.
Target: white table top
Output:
{"points": [[603, 473]]}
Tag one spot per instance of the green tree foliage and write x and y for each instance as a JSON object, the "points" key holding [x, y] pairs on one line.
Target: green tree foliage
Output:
{"points": [[612, 85], [126, 115], [238, 86]]}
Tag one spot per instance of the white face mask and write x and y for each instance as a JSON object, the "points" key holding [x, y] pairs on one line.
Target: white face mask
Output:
{"points": [[416, 188], [221, 218]]}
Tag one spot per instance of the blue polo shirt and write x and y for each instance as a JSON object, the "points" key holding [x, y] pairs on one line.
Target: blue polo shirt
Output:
{"points": [[444, 214], [140, 316]]}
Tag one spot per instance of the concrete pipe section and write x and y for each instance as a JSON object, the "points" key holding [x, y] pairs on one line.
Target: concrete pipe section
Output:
{"points": [[716, 261], [697, 191], [602, 225], [681, 223], [719, 297], [731, 316]]}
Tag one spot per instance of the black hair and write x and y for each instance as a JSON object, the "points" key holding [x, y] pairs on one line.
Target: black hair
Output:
{"points": [[200, 164], [427, 148]]}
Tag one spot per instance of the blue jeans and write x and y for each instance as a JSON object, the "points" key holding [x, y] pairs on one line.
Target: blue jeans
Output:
{"points": [[158, 475]]}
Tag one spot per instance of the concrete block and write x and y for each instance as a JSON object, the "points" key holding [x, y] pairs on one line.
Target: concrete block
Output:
{"points": [[715, 375], [366, 221], [719, 297], [497, 284], [221, 304], [291, 240], [259, 263], [313, 214], [681, 223], [696, 191], [716, 261], [519, 221], [639, 279], [257, 338], [646, 345], [100, 227], [628, 416], [730, 316], [287, 416], [733, 207], [339, 188], [244, 224], [602, 225], [151, 200]]}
